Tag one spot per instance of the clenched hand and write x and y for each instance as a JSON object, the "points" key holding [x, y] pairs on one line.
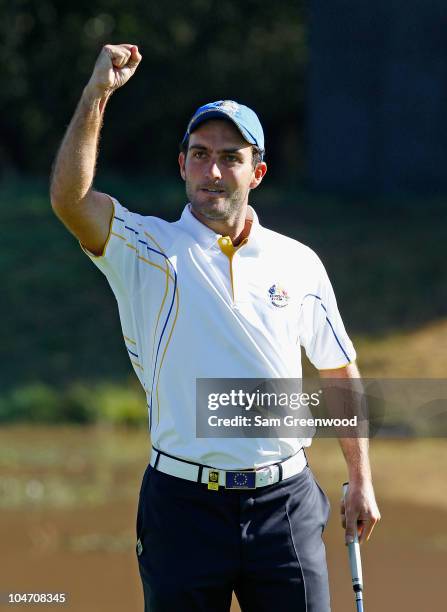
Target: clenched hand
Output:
{"points": [[114, 67]]}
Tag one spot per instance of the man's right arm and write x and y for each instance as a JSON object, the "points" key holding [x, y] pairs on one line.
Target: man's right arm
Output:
{"points": [[85, 212]]}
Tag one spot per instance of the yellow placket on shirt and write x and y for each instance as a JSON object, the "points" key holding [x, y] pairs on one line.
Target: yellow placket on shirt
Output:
{"points": [[227, 247]]}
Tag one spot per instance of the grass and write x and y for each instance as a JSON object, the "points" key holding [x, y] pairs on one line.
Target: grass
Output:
{"points": [[407, 471], [70, 467], [419, 353]]}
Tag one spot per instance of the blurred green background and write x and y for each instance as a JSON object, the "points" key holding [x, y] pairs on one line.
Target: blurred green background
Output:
{"points": [[60, 346]]}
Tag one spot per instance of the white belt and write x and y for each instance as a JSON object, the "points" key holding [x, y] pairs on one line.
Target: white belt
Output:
{"points": [[230, 479]]}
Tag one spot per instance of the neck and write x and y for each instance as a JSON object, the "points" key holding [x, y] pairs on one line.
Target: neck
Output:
{"points": [[237, 228]]}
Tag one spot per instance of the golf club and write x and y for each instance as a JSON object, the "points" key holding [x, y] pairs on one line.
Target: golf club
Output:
{"points": [[355, 564]]}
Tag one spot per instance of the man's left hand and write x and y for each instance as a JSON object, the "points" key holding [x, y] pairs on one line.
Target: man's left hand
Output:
{"points": [[359, 512]]}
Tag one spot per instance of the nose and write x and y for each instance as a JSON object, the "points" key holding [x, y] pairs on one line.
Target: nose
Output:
{"points": [[212, 171]]}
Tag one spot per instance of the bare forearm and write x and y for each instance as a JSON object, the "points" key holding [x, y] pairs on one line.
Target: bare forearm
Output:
{"points": [[74, 167], [345, 397], [356, 454], [87, 213], [359, 511]]}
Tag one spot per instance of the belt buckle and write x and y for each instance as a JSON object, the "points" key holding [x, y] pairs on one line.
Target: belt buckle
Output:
{"points": [[240, 479]]}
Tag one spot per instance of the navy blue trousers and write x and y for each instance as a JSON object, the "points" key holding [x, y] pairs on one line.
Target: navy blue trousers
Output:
{"points": [[198, 546]]}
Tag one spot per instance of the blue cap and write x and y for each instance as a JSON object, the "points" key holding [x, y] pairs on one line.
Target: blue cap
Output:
{"points": [[244, 119]]}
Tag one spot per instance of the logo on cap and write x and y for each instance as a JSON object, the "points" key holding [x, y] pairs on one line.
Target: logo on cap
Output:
{"points": [[244, 118], [228, 106]]}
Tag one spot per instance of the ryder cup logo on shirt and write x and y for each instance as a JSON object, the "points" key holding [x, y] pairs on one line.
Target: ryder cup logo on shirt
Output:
{"points": [[278, 296]]}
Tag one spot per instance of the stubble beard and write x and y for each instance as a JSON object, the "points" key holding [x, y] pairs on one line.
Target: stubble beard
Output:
{"points": [[224, 210]]}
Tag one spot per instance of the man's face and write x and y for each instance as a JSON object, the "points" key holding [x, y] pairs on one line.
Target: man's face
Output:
{"points": [[218, 170]]}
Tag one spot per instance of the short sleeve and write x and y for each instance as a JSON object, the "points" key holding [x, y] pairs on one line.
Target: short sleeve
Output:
{"points": [[322, 333], [119, 260]]}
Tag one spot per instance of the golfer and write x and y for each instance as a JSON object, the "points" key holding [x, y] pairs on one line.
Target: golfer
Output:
{"points": [[215, 295]]}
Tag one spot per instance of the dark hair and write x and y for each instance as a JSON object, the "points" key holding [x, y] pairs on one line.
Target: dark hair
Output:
{"points": [[257, 153]]}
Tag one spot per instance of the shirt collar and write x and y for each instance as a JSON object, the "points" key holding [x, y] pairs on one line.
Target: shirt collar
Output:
{"points": [[206, 237]]}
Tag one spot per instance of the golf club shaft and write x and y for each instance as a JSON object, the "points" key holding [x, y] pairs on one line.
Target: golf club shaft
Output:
{"points": [[355, 563], [359, 601]]}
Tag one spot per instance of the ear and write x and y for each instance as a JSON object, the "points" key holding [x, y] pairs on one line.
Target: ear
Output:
{"points": [[258, 174], [181, 163]]}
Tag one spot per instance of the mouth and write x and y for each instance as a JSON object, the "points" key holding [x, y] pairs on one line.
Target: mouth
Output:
{"points": [[213, 191]]}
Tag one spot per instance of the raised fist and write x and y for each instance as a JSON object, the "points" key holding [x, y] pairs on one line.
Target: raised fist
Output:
{"points": [[114, 67]]}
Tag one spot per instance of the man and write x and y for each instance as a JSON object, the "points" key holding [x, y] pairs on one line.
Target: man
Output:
{"points": [[215, 295]]}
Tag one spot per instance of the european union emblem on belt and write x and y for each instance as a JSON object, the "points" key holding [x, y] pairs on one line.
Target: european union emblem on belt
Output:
{"points": [[240, 480]]}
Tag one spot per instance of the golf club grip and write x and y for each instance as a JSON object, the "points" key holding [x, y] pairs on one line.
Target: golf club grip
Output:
{"points": [[355, 561]]}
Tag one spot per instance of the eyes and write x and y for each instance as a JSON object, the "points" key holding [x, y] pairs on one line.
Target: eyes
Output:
{"points": [[230, 158]]}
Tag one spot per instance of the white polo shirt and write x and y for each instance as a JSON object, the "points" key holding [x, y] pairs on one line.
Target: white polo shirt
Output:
{"points": [[188, 312]]}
